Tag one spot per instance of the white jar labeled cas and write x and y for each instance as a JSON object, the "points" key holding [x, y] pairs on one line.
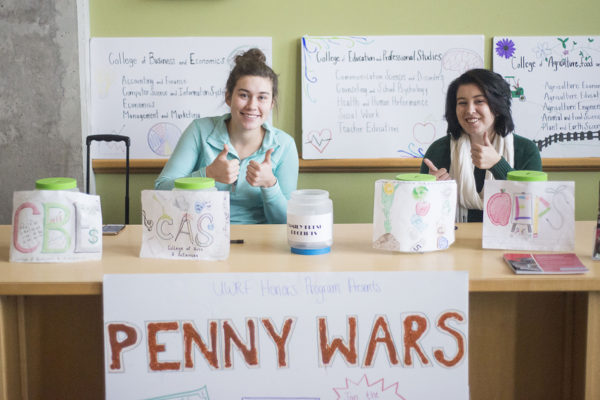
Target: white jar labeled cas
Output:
{"points": [[195, 183], [310, 222]]}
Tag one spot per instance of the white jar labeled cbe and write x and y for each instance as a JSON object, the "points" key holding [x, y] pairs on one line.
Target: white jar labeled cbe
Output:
{"points": [[68, 184], [310, 222]]}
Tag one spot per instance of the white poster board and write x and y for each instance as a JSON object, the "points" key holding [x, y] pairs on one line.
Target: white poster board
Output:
{"points": [[361, 335], [529, 215], [151, 88], [185, 224], [555, 84], [379, 96], [55, 226]]}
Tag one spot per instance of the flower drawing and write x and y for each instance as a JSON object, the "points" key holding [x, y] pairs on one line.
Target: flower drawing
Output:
{"points": [[505, 48], [542, 50]]}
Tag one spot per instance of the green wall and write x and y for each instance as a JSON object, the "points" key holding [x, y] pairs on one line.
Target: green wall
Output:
{"points": [[286, 21]]}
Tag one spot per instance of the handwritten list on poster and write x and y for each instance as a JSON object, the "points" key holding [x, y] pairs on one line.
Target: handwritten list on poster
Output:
{"points": [[151, 88], [555, 86], [379, 96]]}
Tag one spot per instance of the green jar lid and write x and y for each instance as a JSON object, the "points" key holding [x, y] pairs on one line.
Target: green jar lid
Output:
{"points": [[55, 184], [194, 183], [415, 177], [527, 176]]}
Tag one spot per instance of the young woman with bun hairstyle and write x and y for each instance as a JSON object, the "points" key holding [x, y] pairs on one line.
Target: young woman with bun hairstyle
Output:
{"points": [[246, 155]]}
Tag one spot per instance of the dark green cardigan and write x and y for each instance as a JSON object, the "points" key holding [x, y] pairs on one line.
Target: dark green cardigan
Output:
{"points": [[527, 157]]}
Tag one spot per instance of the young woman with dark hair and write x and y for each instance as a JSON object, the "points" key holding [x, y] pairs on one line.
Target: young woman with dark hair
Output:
{"points": [[480, 143]]}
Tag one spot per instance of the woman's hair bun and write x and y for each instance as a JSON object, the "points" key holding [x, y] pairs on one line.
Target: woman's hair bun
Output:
{"points": [[253, 62], [252, 55]]}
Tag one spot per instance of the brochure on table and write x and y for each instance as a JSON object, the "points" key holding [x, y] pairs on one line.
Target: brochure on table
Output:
{"points": [[553, 263]]}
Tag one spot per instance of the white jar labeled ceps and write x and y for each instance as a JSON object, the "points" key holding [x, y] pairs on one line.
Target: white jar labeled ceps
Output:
{"points": [[310, 222]]}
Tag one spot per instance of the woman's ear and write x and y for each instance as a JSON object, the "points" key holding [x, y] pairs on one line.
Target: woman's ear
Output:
{"points": [[228, 98]]}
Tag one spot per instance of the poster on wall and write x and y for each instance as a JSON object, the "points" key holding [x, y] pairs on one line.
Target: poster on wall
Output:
{"points": [[379, 96], [151, 88], [287, 336], [555, 87]]}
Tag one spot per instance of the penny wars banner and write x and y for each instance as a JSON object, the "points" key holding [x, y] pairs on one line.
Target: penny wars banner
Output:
{"points": [[361, 335]]}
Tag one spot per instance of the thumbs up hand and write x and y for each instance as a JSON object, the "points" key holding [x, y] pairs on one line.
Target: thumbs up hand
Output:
{"points": [[484, 155], [224, 170], [440, 174], [261, 174]]}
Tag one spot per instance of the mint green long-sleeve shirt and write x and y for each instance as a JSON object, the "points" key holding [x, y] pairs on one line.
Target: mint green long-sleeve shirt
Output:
{"points": [[205, 138]]}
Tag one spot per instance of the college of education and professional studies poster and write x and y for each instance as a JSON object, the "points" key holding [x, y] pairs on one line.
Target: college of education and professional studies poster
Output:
{"points": [[555, 86], [151, 88], [287, 336], [379, 96]]}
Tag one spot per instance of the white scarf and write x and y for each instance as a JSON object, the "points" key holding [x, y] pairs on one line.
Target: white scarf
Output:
{"points": [[462, 171]]}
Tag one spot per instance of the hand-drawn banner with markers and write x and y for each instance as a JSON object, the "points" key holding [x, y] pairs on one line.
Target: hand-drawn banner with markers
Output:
{"points": [[185, 224], [529, 215], [55, 226], [555, 86], [310, 336], [151, 88], [379, 96]]}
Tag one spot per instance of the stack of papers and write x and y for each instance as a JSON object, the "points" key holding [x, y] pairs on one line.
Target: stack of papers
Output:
{"points": [[528, 263]]}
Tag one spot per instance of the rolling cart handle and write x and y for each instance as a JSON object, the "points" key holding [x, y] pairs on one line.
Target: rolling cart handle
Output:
{"points": [[110, 138]]}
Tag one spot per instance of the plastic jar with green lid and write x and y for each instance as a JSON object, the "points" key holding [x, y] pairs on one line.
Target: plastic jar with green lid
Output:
{"points": [[415, 177], [527, 176], [59, 183], [195, 183]]}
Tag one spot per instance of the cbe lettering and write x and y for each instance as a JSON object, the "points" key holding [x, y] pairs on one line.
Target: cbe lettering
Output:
{"points": [[218, 354], [55, 230]]}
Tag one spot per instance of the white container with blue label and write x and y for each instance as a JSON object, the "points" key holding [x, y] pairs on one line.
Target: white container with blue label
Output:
{"points": [[310, 222]]}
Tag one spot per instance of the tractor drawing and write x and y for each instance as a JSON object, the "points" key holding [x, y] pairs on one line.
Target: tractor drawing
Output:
{"points": [[516, 91]]}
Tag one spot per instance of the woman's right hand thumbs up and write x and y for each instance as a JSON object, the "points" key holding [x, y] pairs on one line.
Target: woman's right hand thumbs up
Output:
{"points": [[224, 170]]}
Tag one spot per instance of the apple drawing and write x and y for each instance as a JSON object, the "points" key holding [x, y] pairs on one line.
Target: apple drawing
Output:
{"points": [[498, 208], [422, 208]]}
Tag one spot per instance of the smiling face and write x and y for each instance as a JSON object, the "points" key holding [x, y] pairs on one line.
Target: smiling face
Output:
{"points": [[251, 103], [473, 112]]}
